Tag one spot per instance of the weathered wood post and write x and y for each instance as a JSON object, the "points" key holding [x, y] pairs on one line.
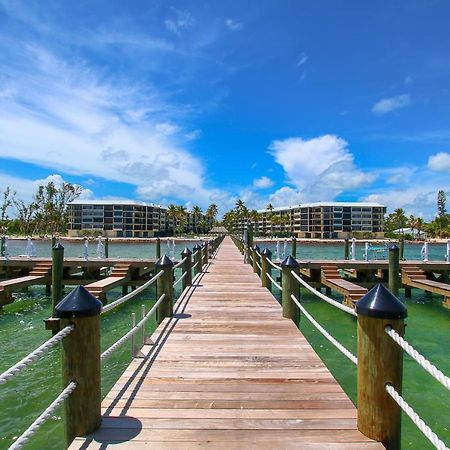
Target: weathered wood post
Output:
{"points": [[57, 274], [394, 269], [158, 248], [205, 253], [290, 286], [164, 285], [106, 248], [81, 361], [2, 248], [402, 249], [255, 251], [380, 361], [197, 258], [266, 255], [250, 235], [187, 268], [294, 248], [346, 249], [53, 241]]}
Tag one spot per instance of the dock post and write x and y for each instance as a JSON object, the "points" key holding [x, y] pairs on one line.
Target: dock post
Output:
{"points": [[294, 248], [106, 248], [402, 249], [255, 251], [187, 268], [53, 241], [80, 352], [290, 286], [57, 274], [2, 248], [250, 235], [205, 253], [158, 248], [197, 258], [266, 255], [380, 361], [164, 285], [394, 269], [346, 249]]}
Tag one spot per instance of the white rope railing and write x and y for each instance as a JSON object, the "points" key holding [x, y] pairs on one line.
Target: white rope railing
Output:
{"points": [[179, 279], [327, 335], [329, 300], [35, 354], [273, 264], [250, 257], [176, 266], [420, 359], [274, 282], [418, 422], [47, 414], [195, 265], [132, 294], [130, 333], [259, 266]]}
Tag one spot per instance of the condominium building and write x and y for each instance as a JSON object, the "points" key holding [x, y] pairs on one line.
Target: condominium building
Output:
{"points": [[127, 219], [319, 220]]}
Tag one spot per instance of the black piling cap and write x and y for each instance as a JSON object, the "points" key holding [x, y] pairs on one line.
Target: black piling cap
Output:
{"points": [[393, 248], [256, 247], [186, 252], [266, 252], [164, 261], [196, 247], [290, 262], [79, 303], [58, 246], [381, 303]]}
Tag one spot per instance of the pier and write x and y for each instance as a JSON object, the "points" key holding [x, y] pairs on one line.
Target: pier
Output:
{"points": [[227, 366]]}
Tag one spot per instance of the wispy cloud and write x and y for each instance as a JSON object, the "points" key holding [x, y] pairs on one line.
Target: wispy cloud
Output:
{"points": [[386, 105], [263, 182], [180, 21], [302, 59], [233, 25]]}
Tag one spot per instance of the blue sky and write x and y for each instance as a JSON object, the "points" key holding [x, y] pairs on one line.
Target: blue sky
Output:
{"points": [[201, 102]]}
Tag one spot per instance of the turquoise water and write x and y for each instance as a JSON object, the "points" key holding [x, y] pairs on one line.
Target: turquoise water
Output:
{"points": [[21, 329]]}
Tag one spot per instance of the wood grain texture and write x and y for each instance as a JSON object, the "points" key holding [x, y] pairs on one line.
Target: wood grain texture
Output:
{"points": [[227, 372]]}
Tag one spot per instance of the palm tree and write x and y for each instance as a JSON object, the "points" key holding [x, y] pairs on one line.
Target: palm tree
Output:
{"points": [[196, 213], [181, 218], [172, 214], [212, 211], [399, 218], [419, 225]]}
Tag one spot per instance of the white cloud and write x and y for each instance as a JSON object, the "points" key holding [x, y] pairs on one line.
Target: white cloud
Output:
{"points": [[286, 196], [303, 58], [386, 105], [320, 168], [232, 24], [180, 21], [440, 162], [262, 182]]}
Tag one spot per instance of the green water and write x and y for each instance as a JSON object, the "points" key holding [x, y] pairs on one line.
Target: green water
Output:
{"points": [[21, 329]]}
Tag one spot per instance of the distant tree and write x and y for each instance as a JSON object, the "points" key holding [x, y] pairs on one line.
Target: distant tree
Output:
{"points": [[212, 211], [441, 204], [25, 216], [196, 216], [7, 202]]}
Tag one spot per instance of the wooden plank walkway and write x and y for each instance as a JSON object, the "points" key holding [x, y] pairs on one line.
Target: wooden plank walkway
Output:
{"points": [[227, 372]]}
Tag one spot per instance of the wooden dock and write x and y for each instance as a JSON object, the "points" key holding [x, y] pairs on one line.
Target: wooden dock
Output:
{"points": [[227, 372]]}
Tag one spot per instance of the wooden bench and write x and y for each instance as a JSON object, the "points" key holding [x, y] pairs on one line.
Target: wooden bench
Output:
{"points": [[118, 276], [413, 276], [331, 278]]}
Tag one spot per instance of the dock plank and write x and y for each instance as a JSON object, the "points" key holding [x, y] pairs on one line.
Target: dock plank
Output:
{"points": [[227, 372]]}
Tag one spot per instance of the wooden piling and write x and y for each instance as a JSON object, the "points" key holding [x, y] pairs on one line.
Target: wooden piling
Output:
{"points": [[205, 253], [81, 362], [255, 251], [394, 269], [106, 248], [158, 248], [57, 274], [294, 248], [380, 362], [346, 249], [250, 235], [2, 247], [402, 249], [197, 259], [266, 255], [187, 268], [290, 286], [164, 286]]}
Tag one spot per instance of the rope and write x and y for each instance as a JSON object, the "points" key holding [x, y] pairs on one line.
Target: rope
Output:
{"points": [[35, 354], [336, 343], [119, 342], [259, 266], [176, 266], [195, 265], [179, 279], [418, 422], [132, 294], [250, 257], [329, 300], [49, 411], [273, 264], [420, 359], [274, 282]]}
